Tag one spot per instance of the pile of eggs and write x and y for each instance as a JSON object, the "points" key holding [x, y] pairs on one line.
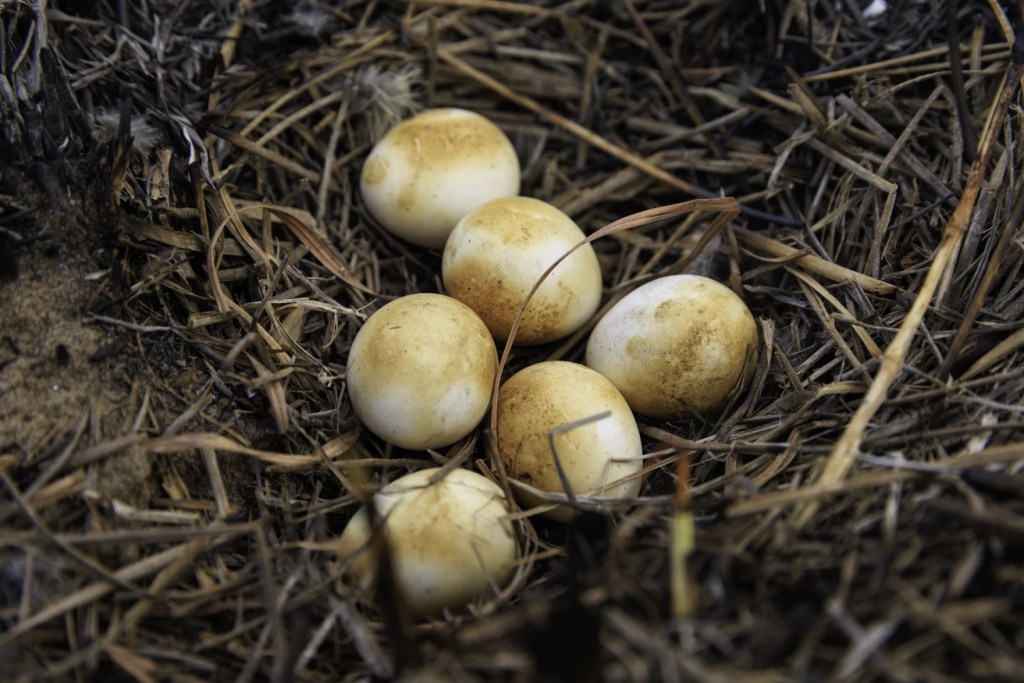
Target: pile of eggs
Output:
{"points": [[421, 370]]}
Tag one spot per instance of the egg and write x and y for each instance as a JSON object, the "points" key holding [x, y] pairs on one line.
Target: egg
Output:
{"points": [[675, 345], [428, 171], [499, 250], [450, 540], [551, 395], [421, 371]]}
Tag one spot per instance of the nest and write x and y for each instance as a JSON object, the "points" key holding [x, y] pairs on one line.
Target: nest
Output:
{"points": [[186, 260]]}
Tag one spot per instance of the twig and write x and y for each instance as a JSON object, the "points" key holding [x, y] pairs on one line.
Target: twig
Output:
{"points": [[987, 280], [681, 543], [813, 263], [959, 93]]}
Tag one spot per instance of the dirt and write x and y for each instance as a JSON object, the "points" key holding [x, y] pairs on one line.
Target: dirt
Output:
{"points": [[49, 371]]}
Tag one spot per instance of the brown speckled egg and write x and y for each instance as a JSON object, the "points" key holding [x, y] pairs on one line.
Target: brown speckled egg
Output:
{"points": [[450, 540], [421, 370], [551, 395], [499, 250], [677, 343], [428, 171]]}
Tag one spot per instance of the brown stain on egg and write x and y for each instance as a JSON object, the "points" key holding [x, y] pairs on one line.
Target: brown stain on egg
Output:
{"points": [[702, 360], [488, 297], [526, 413], [375, 170], [446, 138]]}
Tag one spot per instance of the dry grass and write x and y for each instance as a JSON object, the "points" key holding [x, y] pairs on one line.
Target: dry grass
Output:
{"points": [[180, 214]]}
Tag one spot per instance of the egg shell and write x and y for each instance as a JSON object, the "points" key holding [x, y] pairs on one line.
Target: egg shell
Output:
{"points": [[553, 394], [499, 250], [428, 171], [674, 342], [421, 370], [450, 541]]}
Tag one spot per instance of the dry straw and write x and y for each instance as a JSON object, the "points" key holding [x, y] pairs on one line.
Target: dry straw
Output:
{"points": [[185, 259]]}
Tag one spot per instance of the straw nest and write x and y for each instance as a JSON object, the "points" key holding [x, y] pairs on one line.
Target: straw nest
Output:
{"points": [[186, 259]]}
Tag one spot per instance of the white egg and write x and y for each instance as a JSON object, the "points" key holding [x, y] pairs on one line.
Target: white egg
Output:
{"points": [[428, 171], [499, 250], [421, 371], [547, 396], [450, 541], [675, 345]]}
